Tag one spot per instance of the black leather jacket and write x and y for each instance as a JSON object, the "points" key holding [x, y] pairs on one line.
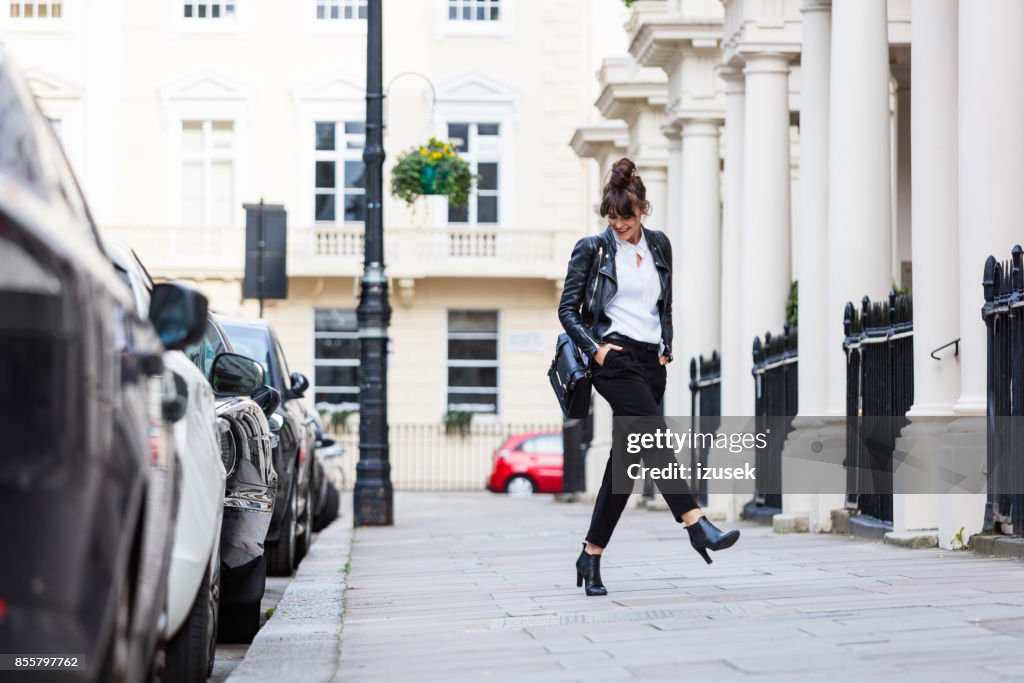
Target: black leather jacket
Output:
{"points": [[590, 284]]}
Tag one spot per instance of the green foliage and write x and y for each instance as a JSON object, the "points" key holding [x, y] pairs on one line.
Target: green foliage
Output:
{"points": [[792, 305], [958, 542], [457, 422], [339, 420], [434, 168], [902, 290], [270, 611]]}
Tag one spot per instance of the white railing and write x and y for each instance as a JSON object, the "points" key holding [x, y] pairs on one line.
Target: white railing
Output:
{"points": [[338, 251]]}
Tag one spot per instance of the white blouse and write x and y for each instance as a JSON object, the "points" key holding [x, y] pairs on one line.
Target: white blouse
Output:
{"points": [[634, 308]]}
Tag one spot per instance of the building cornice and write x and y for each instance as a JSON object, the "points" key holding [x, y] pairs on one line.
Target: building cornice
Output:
{"points": [[592, 142], [625, 85], [658, 42]]}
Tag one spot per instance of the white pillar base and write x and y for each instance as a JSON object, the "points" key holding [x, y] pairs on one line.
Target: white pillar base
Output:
{"points": [[965, 441], [922, 441]]}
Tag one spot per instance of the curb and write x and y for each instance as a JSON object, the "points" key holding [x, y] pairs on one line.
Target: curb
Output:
{"points": [[302, 639], [999, 546]]}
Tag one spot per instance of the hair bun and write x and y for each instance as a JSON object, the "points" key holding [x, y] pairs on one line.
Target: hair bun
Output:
{"points": [[623, 171]]}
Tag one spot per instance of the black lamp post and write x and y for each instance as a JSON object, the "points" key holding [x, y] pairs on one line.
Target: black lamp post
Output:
{"points": [[373, 495]]}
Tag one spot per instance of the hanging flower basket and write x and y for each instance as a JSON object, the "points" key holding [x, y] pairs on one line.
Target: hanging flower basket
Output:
{"points": [[433, 168]]}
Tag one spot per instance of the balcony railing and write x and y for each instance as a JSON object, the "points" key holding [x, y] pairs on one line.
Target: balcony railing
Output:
{"points": [[338, 251]]}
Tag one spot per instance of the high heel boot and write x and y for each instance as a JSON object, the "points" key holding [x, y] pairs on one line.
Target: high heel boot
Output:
{"points": [[706, 536], [588, 568]]}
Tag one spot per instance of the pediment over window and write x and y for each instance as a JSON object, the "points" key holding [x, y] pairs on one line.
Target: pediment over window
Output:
{"points": [[333, 88], [46, 86], [476, 88], [205, 85]]}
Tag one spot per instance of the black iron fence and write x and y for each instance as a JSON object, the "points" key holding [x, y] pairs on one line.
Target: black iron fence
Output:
{"points": [[775, 406], [879, 348], [706, 409], [1004, 306], [429, 457]]}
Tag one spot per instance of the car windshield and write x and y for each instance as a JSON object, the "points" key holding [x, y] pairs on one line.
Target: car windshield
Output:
{"points": [[254, 343]]}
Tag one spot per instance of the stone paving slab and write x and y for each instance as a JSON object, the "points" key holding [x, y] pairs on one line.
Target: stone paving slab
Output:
{"points": [[482, 587], [478, 586]]}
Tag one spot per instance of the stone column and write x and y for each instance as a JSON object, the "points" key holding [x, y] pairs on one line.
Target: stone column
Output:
{"points": [[812, 256], [677, 401], [736, 362], [991, 175], [935, 239], [765, 265], [697, 311]]}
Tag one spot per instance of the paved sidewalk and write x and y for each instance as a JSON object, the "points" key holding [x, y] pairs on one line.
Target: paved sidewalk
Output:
{"points": [[478, 586]]}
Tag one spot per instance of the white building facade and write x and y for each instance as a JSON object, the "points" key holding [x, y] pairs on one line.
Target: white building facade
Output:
{"points": [[853, 146], [175, 113]]}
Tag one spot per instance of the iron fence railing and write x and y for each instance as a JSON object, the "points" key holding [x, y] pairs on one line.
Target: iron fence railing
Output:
{"points": [[879, 346], [1002, 313], [706, 409], [426, 457], [775, 405]]}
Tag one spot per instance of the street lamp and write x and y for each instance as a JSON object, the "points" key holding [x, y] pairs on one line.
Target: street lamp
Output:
{"points": [[373, 494]]}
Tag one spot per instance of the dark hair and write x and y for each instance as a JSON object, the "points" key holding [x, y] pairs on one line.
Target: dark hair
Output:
{"points": [[624, 193]]}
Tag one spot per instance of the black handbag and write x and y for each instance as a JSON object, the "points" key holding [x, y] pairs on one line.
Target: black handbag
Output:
{"points": [[570, 378]]}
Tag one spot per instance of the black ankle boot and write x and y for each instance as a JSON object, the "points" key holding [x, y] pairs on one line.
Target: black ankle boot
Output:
{"points": [[588, 567], [706, 536]]}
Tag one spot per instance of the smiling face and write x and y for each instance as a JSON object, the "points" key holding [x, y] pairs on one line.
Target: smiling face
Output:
{"points": [[626, 228]]}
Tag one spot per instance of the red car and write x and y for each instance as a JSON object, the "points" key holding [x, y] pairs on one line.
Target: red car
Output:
{"points": [[528, 463]]}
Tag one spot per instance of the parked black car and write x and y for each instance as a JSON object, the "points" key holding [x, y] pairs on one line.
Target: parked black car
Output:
{"points": [[87, 479], [292, 525], [247, 447]]}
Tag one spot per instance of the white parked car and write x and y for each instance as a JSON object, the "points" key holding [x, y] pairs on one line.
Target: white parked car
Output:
{"points": [[193, 586]]}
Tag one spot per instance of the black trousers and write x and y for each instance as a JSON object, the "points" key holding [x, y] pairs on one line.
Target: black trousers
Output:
{"points": [[633, 383]]}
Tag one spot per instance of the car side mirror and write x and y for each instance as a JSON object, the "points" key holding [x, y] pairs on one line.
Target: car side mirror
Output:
{"points": [[299, 384], [325, 441], [235, 375], [178, 313], [267, 398]]}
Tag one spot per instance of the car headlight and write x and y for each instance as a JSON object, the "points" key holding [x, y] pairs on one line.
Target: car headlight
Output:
{"points": [[228, 448]]}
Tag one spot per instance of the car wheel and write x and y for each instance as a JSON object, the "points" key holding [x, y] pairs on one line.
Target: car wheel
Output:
{"points": [[239, 623], [329, 511], [281, 553], [519, 486], [190, 653]]}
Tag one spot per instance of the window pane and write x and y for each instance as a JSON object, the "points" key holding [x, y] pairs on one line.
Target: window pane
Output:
{"points": [[362, 10], [335, 320], [229, 9], [487, 210], [354, 175], [335, 349], [355, 207], [472, 377], [480, 403], [222, 190], [337, 376], [192, 136], [192, 193], [355, 128], [325, 135], [458, 214], [325, 207], [334, 12], [458, 134], [319, 11], [467, 13], [325, 175], [453, 13], [55, 10], [495, 14], [202, 11], [348, 12], [488, 175], [215, 11], [550, 444], [473, 349], [472, 321], [487, 129]]}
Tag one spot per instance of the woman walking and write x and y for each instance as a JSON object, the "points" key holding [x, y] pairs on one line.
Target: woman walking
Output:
{"points": [[617, 307]]}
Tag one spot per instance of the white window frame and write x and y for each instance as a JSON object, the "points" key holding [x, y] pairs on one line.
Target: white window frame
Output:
{"points": [[36, 24], [353, 5], [340, 26], [449, 28], [207, 157], [475, 157], [207, 25], [317, 362], [496, 363], [339, 155]]}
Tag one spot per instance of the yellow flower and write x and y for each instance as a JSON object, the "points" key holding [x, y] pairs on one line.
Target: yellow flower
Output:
{"points": [[435, 155], [423, 151]]}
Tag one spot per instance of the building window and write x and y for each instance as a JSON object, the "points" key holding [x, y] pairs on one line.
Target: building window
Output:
{"points": [[341, 9], [474, 10], [208, 10], [37, 10], [336, 359], [340, 182], [208, 172], [480, 145], [473, 361]]}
